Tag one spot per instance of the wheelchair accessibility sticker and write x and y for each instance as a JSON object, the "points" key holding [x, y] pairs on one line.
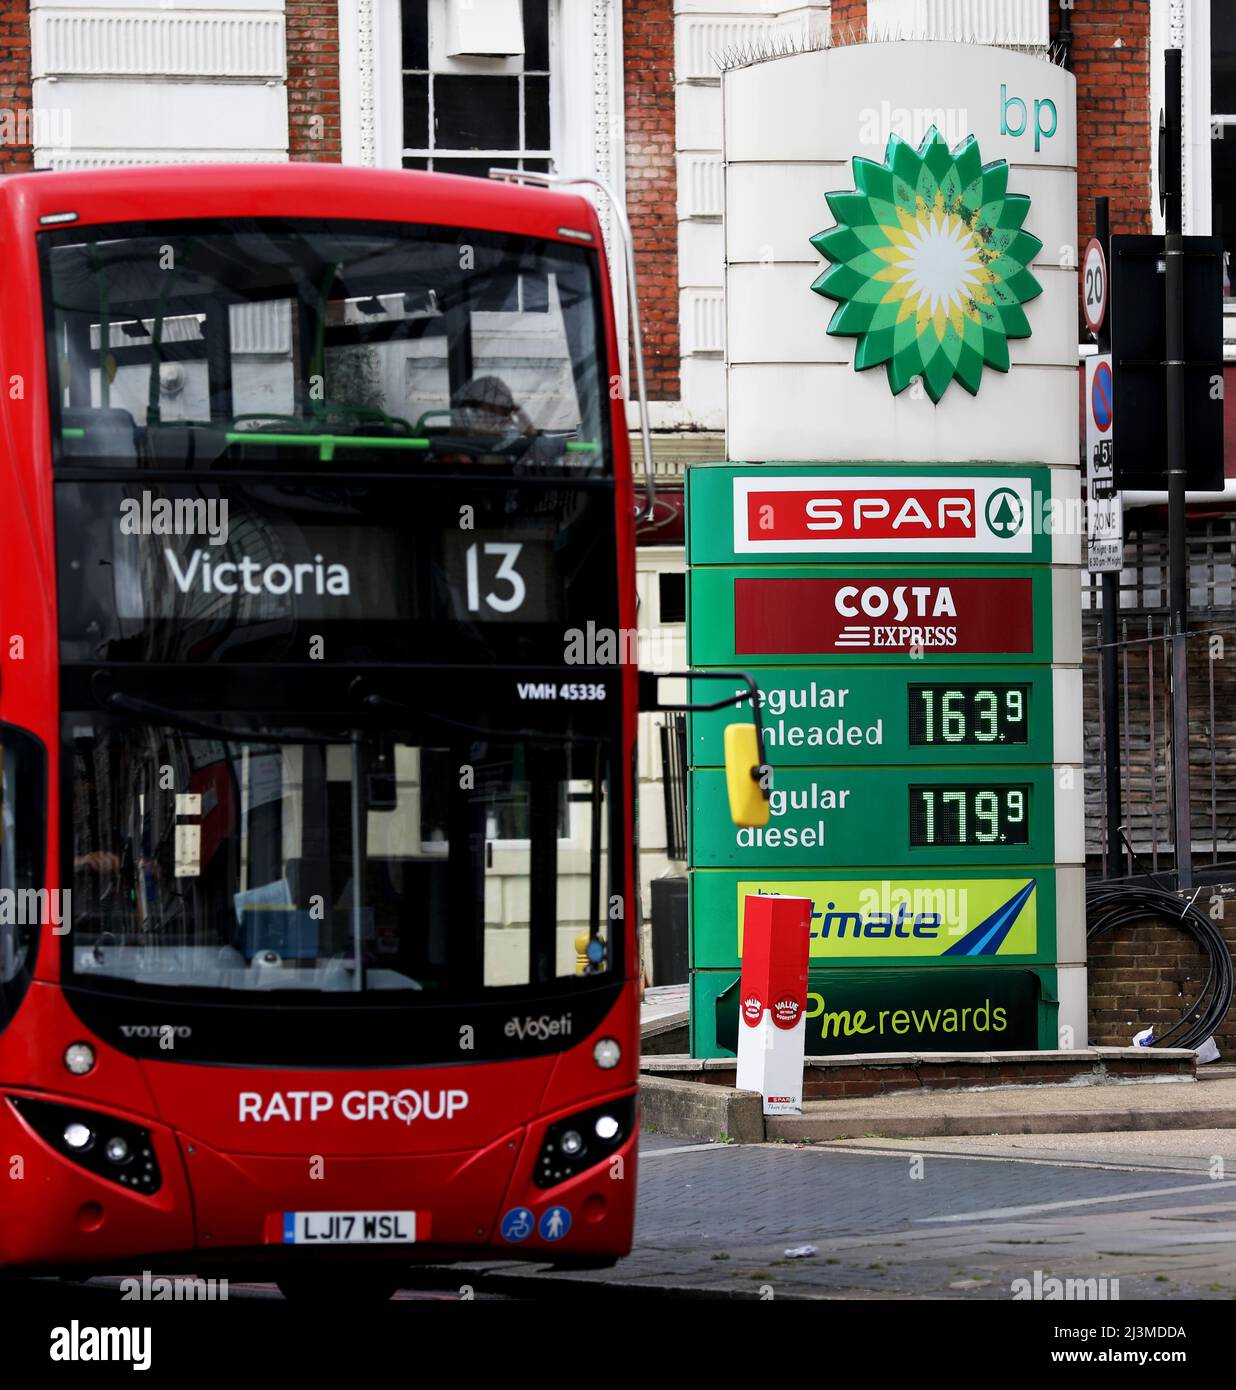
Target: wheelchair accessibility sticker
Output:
{"points": [[517, 1225]]}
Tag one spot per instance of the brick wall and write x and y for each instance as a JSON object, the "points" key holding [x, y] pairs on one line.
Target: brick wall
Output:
{"points": [[313, 80], [1113, 111], [849, 15], [652, 183], [1151, 974], [15, 84]]}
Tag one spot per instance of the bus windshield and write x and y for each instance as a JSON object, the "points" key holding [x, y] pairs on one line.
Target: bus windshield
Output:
{"points": [[292, 344], [431, 866]]}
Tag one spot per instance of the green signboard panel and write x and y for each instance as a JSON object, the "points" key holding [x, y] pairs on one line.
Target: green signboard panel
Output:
{"points": [[898, 621], [848, 513], [997, 1009], [850, 816], [888, 716], [949, 917], [777, 615]]}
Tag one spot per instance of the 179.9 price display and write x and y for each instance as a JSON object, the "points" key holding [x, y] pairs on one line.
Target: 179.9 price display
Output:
{"points": [[969, 815]]}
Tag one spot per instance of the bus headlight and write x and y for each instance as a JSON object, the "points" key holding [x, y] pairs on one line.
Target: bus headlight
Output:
{"points": [[79, 1058], [78, 1136], [607, 1054], [117, 1150], [583, 1140], [126, 1156]]}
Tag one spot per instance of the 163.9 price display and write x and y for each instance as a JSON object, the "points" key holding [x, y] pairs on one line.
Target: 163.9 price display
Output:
{"points": [[966, 714], [969, 815]]}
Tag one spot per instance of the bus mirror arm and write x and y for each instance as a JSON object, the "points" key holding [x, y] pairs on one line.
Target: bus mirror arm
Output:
{"points": [[650, 702], [637, 336]]}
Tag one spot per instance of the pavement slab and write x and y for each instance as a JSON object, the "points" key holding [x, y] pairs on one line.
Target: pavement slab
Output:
{"points": [[1127, 1106]]}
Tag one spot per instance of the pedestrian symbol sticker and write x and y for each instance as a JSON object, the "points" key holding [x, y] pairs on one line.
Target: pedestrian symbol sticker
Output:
{"points": [[555, 1223], [517, 1225], [1005, 512], [1101, 397]]}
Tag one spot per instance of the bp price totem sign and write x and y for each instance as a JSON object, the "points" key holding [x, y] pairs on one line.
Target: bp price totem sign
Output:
{"points": [[914, 636], [893, 550]]}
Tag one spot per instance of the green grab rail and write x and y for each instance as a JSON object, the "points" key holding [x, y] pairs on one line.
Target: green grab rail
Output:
{"points": [[326, 444]]}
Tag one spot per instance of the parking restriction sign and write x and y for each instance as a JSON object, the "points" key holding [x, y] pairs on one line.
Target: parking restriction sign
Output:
{"points": [[1104, 511]]}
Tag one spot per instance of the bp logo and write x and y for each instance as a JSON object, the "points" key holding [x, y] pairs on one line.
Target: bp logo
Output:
{"points": [[930, 264], [1005, 513]]}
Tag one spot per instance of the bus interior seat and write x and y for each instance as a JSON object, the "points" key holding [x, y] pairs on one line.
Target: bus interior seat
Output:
{"points": [[108, 433], [185, 443]]}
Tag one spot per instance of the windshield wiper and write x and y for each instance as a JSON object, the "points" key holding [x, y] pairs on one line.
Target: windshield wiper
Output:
{"points": [[174, 719], [371, 700]]}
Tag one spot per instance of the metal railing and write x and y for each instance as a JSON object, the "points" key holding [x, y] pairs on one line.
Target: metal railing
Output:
{"points": [[674, 784], [1142, 738]]}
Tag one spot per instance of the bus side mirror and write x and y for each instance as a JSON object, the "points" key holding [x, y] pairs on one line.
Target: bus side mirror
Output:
{"points": [[748, 798]]}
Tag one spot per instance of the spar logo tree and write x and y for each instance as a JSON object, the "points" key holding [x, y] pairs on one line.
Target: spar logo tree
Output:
{"points": [[930, 264], [1005, 512]]}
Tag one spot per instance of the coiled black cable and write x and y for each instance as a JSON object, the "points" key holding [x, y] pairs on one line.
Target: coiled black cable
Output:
{"points": [[1110, 906]]}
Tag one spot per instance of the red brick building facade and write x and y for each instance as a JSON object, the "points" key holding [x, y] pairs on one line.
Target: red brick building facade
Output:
{"points": [[652, 182], [313, 80], [15, 80], [1110, 57]]}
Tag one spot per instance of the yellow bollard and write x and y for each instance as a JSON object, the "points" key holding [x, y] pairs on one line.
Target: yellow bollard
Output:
{"points": [[581, 953]]}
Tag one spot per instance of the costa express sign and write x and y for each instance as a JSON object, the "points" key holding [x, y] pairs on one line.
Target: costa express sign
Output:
{"points": [[805, 614], [821, 514], [898, 1010]]}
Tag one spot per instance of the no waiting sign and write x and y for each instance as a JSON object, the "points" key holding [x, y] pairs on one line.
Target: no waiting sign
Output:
{"points": [[1104, 512]]}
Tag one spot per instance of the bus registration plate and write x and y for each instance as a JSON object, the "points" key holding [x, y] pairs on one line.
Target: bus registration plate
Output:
{"points": [[349, 1227]]}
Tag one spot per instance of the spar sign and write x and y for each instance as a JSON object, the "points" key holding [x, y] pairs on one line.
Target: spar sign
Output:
{"points": [[744, 514], [898, 516]]}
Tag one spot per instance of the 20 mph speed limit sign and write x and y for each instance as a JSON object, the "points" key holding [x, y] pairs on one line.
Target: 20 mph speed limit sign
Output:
{"points": [[1094, 287]]}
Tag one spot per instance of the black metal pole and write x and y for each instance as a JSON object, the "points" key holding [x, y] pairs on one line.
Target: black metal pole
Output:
{"points": [[1177, 546], [1110, 612]]}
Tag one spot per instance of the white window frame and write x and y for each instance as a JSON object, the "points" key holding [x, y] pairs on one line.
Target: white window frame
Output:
{"points": [[1186, 23], [442, 65]]}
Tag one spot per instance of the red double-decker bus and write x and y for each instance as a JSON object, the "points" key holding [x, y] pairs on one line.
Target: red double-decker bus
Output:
{"points": [[318, 928]]}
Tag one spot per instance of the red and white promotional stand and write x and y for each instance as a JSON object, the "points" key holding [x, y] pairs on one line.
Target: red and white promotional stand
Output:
{"points": [[773, 1003]]}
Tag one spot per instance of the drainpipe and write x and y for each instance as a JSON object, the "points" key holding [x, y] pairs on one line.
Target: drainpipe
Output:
{"points": [[1064, 34]]}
